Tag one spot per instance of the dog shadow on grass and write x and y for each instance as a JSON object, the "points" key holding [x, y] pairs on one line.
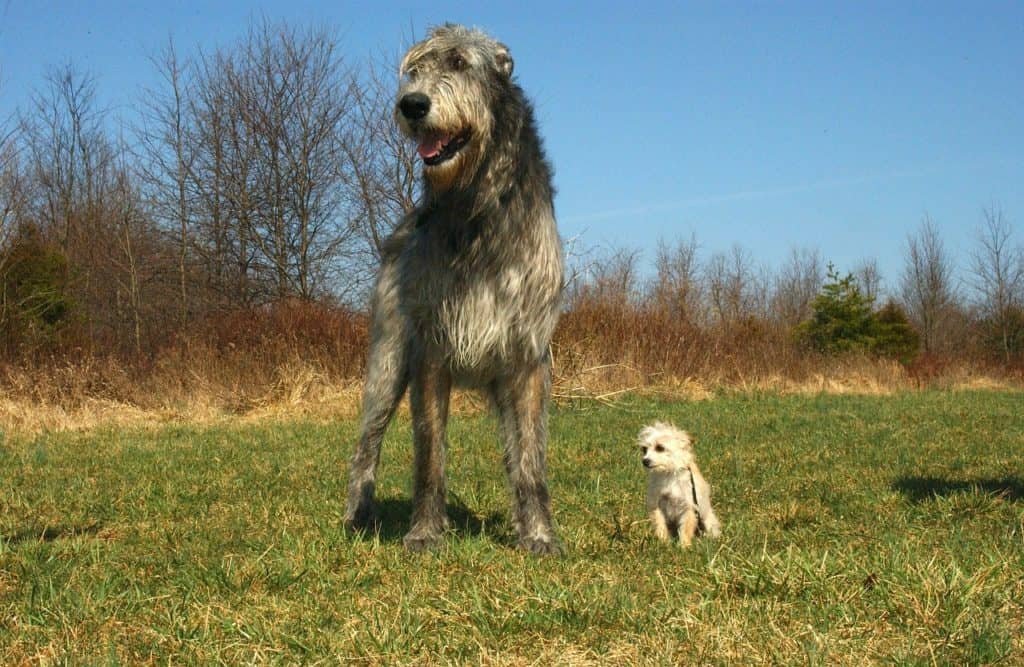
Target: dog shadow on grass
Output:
{"points": [[920, 489], [50, 533], [394, 514]]}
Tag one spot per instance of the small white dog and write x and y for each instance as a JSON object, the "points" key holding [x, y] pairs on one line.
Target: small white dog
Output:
{"points": [[678, 497]]}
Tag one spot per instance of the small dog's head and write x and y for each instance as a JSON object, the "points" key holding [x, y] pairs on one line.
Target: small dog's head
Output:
{"points": [[665, 448]]}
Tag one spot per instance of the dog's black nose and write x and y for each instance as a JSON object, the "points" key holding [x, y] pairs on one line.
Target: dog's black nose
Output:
{"points": [[647, 463], [414, 105]]}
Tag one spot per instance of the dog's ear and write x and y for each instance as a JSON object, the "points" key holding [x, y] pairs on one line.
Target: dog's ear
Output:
{"points": [[503, 59]]}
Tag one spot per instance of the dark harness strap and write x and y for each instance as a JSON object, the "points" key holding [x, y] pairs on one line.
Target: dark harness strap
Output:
{"points": [[696, 503]]}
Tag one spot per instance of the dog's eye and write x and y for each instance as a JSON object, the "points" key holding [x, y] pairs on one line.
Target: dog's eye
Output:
{"points": [[643, 450], [456, 61], [659, 448]]}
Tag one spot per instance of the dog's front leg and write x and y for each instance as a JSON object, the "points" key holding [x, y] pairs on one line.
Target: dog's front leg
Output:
{"points": [[429, 393], [387, 375], [687, 528], [660, 525]]}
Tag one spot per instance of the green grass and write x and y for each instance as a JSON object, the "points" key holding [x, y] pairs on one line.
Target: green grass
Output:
{"points": [[856, 530]]}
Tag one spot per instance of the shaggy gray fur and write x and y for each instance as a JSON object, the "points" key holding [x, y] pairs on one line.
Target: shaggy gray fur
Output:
{"points": [[470, 284]]}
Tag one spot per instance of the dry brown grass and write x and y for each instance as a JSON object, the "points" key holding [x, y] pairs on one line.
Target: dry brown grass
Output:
{"points": [[306, 361]]}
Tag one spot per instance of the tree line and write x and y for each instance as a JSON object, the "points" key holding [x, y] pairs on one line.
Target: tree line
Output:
{"points": [[268, 172], [935, 309]]}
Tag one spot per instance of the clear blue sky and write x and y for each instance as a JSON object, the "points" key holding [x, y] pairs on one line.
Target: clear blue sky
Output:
{"points": [[827, 125]]}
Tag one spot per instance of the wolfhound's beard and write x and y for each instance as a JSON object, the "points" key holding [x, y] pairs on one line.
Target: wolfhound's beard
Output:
{"points": [[446, 175]]}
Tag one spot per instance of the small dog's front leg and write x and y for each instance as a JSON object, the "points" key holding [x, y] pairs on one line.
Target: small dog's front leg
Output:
{"points": [[660, 525], [687, 528]]}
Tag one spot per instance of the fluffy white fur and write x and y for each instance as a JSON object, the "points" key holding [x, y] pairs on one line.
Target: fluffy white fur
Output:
{"points": [[678, 496]]}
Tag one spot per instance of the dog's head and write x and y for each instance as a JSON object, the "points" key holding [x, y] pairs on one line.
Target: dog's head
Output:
{"points": [[452, 85], [665, 448]]}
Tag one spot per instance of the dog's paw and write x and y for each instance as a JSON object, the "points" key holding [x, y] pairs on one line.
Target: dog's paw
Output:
{"points": [[712, 529], [362, 518], [541, 546], [426, 534], [417, 541]]}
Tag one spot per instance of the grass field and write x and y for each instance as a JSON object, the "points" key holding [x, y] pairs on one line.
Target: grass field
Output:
{"points": [[857, 530]]}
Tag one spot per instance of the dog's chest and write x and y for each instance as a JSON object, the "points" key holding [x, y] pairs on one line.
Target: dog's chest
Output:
{"points": [[480, 303], [670, 493]]}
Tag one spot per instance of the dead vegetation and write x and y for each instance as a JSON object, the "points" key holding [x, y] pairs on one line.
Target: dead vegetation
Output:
{"points": [[303, 360]]}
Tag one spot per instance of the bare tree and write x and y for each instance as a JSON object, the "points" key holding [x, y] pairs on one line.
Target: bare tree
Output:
{"points": [[129, 220], [166, 141], [70, 158], [869, 279], [265, 160], [677, 286], [12, 206], [292, 93], [997, 269], [293, 97], [383, 172], [732, 285], [798, 281], [12, 186], [69, 151], [926, 286], [609, 279], [224, 182]]}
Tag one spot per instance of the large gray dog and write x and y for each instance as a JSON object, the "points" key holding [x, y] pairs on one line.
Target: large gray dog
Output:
{"points": [[470, 284]]}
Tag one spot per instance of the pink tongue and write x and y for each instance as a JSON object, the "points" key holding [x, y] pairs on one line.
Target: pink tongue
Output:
{"points": [[432, 146]]}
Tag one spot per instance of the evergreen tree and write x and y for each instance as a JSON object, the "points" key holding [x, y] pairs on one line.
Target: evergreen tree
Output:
{"points": [[842, 318]]}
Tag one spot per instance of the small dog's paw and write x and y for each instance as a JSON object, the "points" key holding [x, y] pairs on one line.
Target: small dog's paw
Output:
{"points": [[540, 546], [714, 531]]}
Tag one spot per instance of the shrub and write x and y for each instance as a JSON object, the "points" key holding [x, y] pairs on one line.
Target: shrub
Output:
{"points": [[35, 303], [893, 334]]}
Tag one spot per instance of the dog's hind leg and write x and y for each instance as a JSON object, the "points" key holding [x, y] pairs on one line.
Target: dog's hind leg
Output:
{"points": [[387, 376], [522, 405]]}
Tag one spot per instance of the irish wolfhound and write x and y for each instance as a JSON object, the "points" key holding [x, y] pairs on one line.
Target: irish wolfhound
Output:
{"points": [[470, 284]]}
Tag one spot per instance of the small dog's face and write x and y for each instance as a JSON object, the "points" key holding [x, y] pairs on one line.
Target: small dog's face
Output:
{"points": [[665, 448]]}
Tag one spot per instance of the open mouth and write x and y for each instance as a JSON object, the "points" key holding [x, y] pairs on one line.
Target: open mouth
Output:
{"points": [[438, 148]]}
